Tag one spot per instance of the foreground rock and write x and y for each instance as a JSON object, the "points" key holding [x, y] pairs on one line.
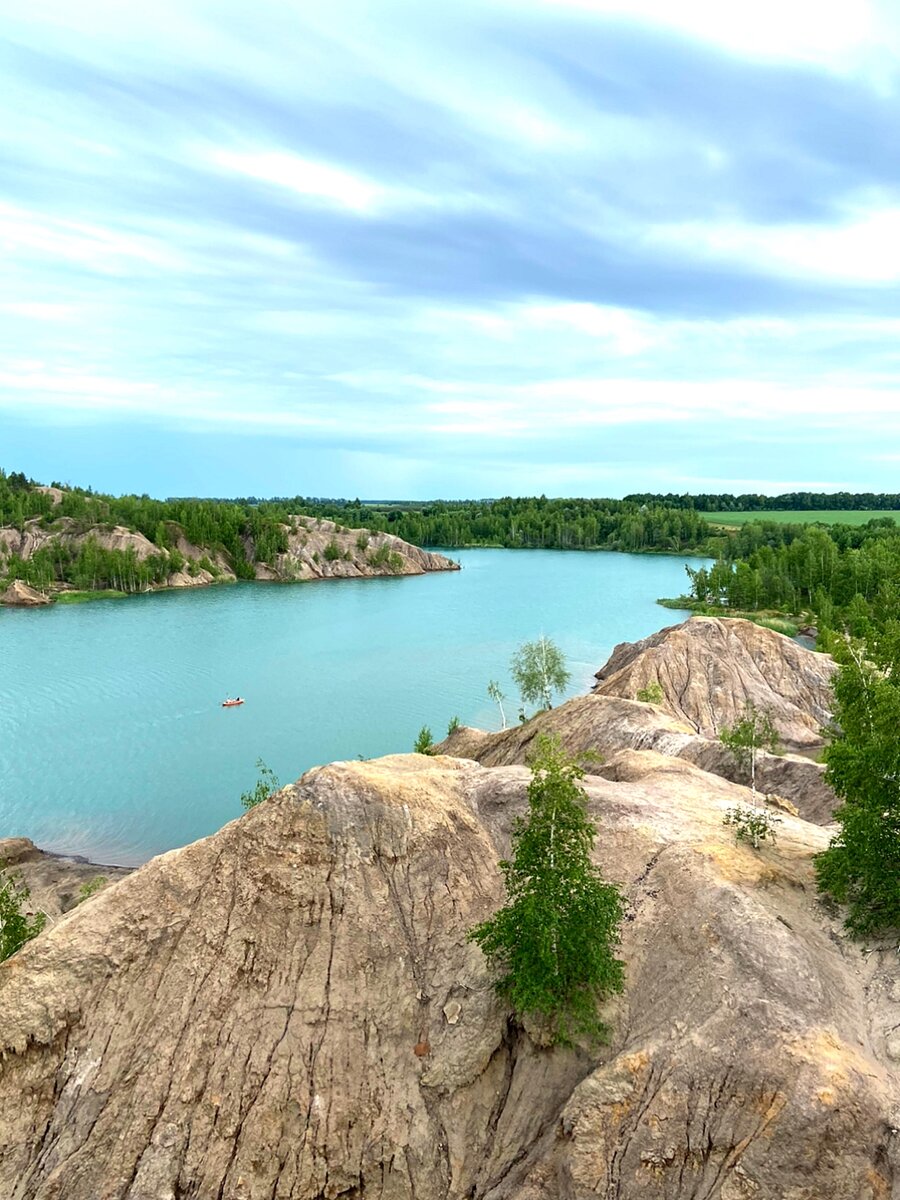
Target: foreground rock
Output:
{"points": [[55, 880], [709, 667], [290, 1009], [19, 593], [605, 725]]}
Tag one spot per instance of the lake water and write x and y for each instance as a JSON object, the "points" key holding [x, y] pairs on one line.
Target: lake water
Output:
{"points": [[113, 743]]}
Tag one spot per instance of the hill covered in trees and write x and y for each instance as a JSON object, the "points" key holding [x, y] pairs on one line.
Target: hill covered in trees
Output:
{"points": [[57, 539]]}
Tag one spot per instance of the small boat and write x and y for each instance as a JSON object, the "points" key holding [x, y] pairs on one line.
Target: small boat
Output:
{"points": [[229, 703]]}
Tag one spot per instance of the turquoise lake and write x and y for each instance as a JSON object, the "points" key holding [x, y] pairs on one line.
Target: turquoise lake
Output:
{"points": [[113, 743]]}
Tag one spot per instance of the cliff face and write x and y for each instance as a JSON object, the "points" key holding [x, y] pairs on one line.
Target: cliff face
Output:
{"points": [[709, 667], [290, 1009]]}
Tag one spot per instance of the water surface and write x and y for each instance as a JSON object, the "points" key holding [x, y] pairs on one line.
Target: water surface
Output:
{"points": [[113, 743]]}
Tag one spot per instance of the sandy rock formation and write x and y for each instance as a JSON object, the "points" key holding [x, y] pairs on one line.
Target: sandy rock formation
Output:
{"points": [[289, 1009], [709, 667], [71, 533], [22, 594], [55, 493], [317, 549], [320, 549], [55, 880], [607, 724]]}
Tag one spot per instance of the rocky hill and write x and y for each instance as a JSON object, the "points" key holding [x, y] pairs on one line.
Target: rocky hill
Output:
{"points": [[606, 725], [290, 1009], [316, 549], [320, 549], [698, 688], [709, 667]]}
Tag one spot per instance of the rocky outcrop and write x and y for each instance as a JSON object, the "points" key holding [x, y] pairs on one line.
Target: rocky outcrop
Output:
{"points": [[55, 880], [709, 667], [23, 595], [290, 1009], [322, 549], [605, 725], [72, 534]]}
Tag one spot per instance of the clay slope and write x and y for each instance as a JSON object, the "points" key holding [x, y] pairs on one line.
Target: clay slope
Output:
{"points": [[606, 724], [709, 667], [54, 880], [289, 1010]]}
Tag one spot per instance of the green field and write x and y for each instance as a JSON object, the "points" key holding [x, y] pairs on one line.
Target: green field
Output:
{"points": [[801, 516]]}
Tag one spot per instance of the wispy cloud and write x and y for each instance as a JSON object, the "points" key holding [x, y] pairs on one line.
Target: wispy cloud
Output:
{"points": [[575, 245]]}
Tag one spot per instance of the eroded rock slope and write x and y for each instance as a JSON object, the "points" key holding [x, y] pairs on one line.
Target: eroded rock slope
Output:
{"points": [[709, 667], [606, 725], [289, 1010]]}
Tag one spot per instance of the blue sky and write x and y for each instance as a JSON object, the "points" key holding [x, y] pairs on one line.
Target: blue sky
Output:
{"points": [[580, 247]]}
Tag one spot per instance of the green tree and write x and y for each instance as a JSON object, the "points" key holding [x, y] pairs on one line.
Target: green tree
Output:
{"points": [[493, 690], [861, 867], [424, 743], [17, 923], [554, 939], [539, 669], [751, 733], [266, 784]]}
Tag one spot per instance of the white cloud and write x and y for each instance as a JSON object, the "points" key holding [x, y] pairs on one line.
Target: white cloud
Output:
{"points": [[835, 32], [864, 248], [317, 180]]}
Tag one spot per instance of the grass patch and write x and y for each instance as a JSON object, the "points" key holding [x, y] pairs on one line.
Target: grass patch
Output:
{"points": [[766, 618], [801, 516], [85, 597]]}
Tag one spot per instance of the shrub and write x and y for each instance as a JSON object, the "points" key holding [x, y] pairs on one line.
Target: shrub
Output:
{"points": [[751, 825], [424, 743], [332, 551], [266, 784], [651, 694], [90, 887], [453, 726], [18, 924]]}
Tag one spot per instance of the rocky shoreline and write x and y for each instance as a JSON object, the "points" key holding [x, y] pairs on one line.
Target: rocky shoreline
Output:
{"points": [[316, 549]]}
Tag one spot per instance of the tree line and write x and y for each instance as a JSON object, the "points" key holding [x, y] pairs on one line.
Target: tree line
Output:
{"points": [[535, 523], [787, 501]]}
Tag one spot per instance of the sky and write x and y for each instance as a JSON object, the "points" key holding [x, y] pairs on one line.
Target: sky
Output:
{"points": [[426, 249]]}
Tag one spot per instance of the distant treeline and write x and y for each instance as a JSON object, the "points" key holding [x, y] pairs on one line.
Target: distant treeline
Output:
{"points": [[751, 502], [532, 523]]}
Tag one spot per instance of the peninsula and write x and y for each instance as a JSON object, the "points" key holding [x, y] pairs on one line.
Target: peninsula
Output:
{"points": [[64, 544]]}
